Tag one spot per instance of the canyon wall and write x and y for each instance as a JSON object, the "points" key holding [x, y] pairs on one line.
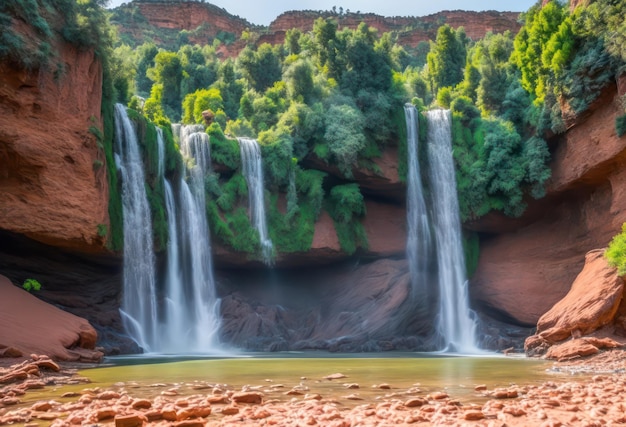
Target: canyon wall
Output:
{"points": [[527, 265], [204, 22], [53, 184]]}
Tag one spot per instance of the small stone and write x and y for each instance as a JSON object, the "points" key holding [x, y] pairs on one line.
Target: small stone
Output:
{"points": [[217, 399], [353, 397], [70, 394], [384, 386], [108, 395], [480, 387], [230, 410], [132, 420], [336, 376], [473, 415], [41, 406], [439, 395], [105, 413], [141, 404], [351, 386], [254, 397], [415, 402]]}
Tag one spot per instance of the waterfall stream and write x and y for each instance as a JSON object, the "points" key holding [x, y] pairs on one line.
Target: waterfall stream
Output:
{"points": [[456, 325], [187, 321], [139, 302], [456, 321], [419, 241], [252, 167]]}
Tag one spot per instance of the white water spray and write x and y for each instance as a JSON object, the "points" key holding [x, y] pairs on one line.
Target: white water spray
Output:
{"points": [[252, 167]]}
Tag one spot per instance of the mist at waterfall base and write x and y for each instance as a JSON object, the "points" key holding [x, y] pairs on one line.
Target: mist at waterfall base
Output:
{"points": [[434, 233], [186, 320]]}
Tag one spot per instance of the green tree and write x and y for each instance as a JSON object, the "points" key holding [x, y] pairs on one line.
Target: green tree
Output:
{"points": [[146, 53], [345, 135], [446, 59], [168, 72], [299, 78], [262, 68]]}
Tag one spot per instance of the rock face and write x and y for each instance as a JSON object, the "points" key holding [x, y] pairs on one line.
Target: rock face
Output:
{"points": [[592, 303], [53, 183], [346, 308], [411, 30], [33, 326], [206, 22], [527, 265]]}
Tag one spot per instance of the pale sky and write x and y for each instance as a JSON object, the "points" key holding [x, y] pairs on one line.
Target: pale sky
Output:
{"points": [[262, 12]]}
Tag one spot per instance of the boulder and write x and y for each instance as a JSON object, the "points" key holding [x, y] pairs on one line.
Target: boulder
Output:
{"points": [[580, 347], [33, 326], [591, 303]]}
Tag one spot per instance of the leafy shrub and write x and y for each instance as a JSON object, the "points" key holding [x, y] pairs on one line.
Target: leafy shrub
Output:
{"points": [[224, 151], [616, 252], [346, 206], [344, 135], [31, 285]]}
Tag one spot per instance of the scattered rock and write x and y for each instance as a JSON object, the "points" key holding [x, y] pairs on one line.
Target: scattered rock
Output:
{"points": [[253, 397], [336, 376], [132, 420]]}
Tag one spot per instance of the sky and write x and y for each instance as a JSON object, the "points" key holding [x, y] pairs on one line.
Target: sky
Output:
{"points": [[262, 12]]}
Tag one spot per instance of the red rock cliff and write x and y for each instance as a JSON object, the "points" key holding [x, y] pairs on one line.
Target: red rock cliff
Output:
{"points": [[205, 21], [411, 30], [525, 269], [53, 185]]}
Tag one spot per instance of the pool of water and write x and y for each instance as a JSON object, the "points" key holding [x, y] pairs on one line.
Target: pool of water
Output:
{"points": [[151, 376]]}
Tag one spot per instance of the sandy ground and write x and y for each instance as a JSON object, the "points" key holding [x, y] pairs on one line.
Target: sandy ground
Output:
{"points": [[595, 399]]}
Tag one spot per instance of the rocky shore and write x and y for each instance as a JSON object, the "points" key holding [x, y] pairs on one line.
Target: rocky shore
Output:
{"points": [[584, 392]]}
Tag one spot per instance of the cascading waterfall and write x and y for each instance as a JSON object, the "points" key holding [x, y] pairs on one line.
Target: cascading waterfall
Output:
{"points": [[188, 321], [418, 239], [253, 172], [139, 302], [192, 311], [456, 322]]}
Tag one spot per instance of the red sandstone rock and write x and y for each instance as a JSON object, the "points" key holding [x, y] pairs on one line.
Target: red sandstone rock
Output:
{"points": [[590, 304], [254, 397], [132, 420], [580, 347], [56, 331], [52, 187]]}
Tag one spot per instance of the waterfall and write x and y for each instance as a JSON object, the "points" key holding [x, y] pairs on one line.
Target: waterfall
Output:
{"points": [[456, 322], [139, 302], [418, 239], [160, 153], [187, 321], [191, 318], [253, 172]]}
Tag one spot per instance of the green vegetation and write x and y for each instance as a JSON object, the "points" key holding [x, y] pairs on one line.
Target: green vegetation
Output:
{"points": [[333, 95], [616, 252], [346, 207], [31, 285]]}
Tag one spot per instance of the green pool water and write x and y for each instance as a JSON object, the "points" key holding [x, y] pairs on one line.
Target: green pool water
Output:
{"points": [[145, 377]]}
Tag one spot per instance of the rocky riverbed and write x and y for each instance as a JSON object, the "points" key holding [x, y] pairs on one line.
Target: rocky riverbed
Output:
{"points": [[584, 392]]}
